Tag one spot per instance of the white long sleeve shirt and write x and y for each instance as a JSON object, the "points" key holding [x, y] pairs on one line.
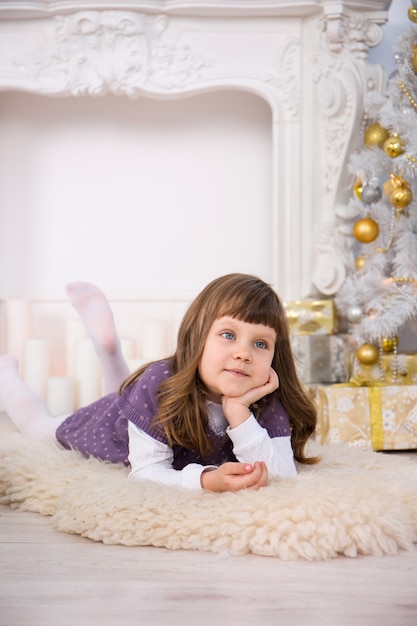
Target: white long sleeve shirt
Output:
{"points": [[150, 459]]}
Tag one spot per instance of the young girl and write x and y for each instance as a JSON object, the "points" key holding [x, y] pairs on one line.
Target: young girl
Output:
{"points": [[225, 412]]}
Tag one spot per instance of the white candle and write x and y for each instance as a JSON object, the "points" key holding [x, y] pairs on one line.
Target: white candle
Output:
{"points": [[60, 395], [36, 365], [18, 327], [88, 373], [154, 344], [75, 330]]}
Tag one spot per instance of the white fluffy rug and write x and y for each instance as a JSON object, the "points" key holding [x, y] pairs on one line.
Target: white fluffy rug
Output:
{"points": [[353, 502]]}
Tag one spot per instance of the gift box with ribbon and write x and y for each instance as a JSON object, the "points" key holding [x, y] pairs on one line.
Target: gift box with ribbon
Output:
{"points": [[379, 417], [321, 358], [311, 317], [393, 369]]}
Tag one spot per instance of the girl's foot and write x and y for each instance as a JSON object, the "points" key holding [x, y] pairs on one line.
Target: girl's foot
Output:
{"points": [[92, 305]]}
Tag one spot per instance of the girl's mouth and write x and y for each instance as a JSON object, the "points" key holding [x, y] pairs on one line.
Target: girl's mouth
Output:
{"points": [[237, 373]]}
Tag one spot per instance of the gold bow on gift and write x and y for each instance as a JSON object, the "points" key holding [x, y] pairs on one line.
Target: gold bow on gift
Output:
{"points": [[358, 381]]}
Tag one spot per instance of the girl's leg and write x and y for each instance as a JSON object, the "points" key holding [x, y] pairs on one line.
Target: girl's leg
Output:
{"points": [[93, 308], [25, 408]]}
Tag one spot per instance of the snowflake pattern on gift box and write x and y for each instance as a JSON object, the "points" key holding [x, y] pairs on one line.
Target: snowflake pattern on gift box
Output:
{"points": [[388, 419], [348, 417], [345, 404], [412, 416], [399, 415]]}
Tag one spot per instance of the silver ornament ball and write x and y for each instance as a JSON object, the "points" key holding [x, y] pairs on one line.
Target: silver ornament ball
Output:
{"points": [[354, 314], [371, 194]]}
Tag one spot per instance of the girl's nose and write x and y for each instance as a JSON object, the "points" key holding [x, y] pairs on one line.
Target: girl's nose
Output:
{"points": [[242, 353]]}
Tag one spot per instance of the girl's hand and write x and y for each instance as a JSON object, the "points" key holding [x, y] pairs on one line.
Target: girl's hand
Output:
{"points": [[236, 409], [235, 476]]}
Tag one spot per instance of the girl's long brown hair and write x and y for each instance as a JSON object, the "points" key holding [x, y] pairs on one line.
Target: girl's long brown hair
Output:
{"points": [[182, 401]]}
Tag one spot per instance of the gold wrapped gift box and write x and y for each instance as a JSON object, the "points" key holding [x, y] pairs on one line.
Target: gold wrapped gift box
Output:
{"points": [[311, 317], [382, 417], [394, 370]]}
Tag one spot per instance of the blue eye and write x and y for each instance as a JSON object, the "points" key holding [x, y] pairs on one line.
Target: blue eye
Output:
{"points": [[261, 344], [228, 335]]}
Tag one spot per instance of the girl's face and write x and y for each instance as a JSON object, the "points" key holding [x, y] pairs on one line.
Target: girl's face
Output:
{"points": [[237, 357]]}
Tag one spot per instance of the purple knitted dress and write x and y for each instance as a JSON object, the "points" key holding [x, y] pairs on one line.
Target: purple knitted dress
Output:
{"points": [[100, 430]]}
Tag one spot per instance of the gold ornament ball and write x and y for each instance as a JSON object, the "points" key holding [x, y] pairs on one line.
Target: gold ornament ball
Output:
{"points": [[401, 197], [366, 230], [360, 262], [394, 146], [357, 188], [368, 354], [388, 344], [412, 14], [375, 135]]}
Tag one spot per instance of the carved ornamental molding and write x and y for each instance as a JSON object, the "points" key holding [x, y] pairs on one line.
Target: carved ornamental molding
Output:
{"points": [[125, 53], [98, 52]]}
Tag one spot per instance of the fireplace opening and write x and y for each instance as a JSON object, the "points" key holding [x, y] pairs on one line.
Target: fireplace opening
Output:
{"points": [[138, 195]]}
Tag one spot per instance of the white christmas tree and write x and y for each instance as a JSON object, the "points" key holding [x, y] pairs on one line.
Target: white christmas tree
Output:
{"points": [[379, 295]]}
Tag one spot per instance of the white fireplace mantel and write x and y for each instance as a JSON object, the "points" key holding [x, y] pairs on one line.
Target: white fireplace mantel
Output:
{"points": [[307, 59]]}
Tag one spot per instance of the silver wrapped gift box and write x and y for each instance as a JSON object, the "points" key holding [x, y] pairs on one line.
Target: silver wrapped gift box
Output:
{"points": [[321, 358]]}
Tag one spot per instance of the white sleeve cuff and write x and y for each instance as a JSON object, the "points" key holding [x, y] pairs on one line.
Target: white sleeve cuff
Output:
{"points": [[191, 475], [246, 433]]}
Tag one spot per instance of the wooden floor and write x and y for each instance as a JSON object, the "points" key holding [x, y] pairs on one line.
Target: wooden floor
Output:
{"points": [[49, 578], [53, 579]]}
